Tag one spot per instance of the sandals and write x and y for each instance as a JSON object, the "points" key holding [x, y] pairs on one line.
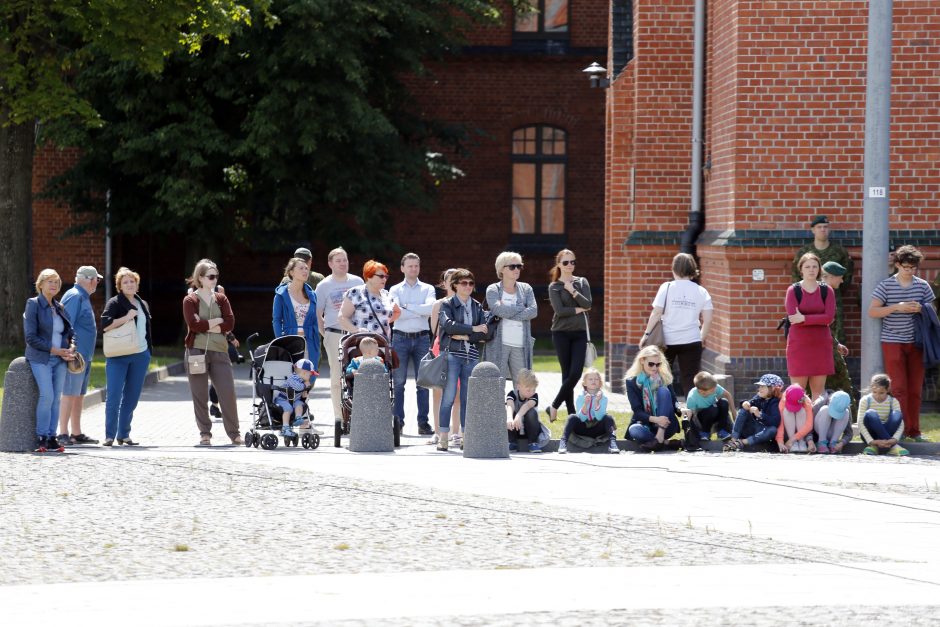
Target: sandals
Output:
{"points": [[205, 440], [442, 445], [434, 439], [732, 446]]}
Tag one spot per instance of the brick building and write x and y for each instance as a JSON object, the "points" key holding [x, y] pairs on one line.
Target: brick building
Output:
{"points": [[784, 141], [533, 177]]}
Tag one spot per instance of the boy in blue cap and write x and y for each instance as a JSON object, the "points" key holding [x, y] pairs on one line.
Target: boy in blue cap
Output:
{"points": [[758, 419], [292, 395]]}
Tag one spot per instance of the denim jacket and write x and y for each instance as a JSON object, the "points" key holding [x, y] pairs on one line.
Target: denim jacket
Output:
{"points": [[37, 326], [451, 323]]}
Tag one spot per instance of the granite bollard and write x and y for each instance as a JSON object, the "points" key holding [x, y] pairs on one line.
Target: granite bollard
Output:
{"points": [[18, 419], [485, 433], [371, 428]]}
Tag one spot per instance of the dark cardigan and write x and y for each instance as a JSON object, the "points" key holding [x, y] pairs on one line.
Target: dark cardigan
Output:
{"points": [[118, 307]]}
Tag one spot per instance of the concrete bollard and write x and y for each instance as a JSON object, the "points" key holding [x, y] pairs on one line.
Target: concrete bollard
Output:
{"points": [[18, 419], [371, 428], [485, 436]]}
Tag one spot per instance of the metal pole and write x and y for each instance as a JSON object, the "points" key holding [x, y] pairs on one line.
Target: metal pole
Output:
{"points": [[107, 248], [877, 175]]}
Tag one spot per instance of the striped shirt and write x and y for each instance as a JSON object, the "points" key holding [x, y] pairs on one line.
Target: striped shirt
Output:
{"points": [[898, 328], [884, 409]]}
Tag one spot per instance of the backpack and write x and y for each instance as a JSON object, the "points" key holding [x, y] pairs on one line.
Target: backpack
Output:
{"points": [[798, 292]]}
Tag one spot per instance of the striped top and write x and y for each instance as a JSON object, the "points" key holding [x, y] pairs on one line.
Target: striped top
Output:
{"points": [[884, 409], [898, 328]]}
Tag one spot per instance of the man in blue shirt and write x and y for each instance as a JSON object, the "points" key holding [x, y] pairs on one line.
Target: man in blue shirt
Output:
{"points": [[77, 306], [411, 338]]}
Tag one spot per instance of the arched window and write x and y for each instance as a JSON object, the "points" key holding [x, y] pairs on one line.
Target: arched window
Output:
{"points": [[539, 160]]}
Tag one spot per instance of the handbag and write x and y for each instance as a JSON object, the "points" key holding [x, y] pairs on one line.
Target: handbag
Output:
{"points": [[121, 341], [77, 365], [590, 351], [197, 363], [656, 336], [432, 370]]}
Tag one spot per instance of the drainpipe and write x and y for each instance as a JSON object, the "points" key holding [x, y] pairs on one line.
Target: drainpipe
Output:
{"points": [[696, 208]]}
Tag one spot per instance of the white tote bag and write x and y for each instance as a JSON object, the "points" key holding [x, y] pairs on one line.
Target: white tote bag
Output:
{"points": [[122, 340]]}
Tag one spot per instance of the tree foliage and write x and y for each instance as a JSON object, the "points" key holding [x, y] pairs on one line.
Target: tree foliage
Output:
{"points": [[298, 128]]}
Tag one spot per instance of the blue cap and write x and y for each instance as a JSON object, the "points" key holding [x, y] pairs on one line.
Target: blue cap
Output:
{"points": [[304, 364], [770, 380], [839, 404]]}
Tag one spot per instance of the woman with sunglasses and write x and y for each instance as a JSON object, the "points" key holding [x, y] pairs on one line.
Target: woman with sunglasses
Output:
{"points": [[570, 297], [459, 316], [652, 399], [514, 302], [898, 301], [368, 307], [208, 316], [125, 374]]}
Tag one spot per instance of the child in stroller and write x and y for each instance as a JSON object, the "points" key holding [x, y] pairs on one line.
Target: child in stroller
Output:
{"points": [[353, 349], [369, 351], [292, 397]]}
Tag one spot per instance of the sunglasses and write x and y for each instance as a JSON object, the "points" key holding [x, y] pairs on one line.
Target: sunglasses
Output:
{"points": [[467, 282], [654, 364], [514, 266], [908, 267], [212, 277], [569, 263], [381, 276]]}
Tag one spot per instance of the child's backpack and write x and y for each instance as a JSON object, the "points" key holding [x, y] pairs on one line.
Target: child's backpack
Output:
{"points": [[798, 292]]}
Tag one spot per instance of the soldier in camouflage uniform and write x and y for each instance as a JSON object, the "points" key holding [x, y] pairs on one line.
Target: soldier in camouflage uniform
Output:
{"points": [[827, 251], [833, 274]]}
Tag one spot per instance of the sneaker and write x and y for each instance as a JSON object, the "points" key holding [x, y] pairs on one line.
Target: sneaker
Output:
{"points": [[513, 447], [204, 440], [823, 447], [534, 447], [214, 411], [704, 436], [456, 439], [898, 451], [64, 439], [612, 447], [287, 432], [724, 436], [425, 430], [921, 438], [52, 443], [869, 450], [108, 442], [799, 447], [298, 422], [442, 445], [127, 442], [81, 438], [562, 446], [41, 444]]}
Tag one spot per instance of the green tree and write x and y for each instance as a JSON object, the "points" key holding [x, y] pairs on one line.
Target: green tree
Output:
{"points": [[44, 49], [304, 130]]}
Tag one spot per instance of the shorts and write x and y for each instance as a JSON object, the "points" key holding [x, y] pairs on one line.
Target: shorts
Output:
{"points": [[284, 404], [77, 384]]}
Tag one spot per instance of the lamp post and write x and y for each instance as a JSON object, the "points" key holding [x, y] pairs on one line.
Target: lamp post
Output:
{"points": [[597, 75]]}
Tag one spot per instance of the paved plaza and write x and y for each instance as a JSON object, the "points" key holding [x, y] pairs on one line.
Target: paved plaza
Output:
{"points": [[174, 534]]}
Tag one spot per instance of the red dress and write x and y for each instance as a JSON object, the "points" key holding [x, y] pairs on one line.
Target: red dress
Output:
{"points": [[809, 345]]}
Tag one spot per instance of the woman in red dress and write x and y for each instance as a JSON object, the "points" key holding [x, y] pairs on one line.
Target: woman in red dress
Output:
{"points": [[809, 344]]}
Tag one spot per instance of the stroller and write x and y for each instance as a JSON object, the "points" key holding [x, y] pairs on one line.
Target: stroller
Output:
{"points": [[349, 349], [271, 365]]}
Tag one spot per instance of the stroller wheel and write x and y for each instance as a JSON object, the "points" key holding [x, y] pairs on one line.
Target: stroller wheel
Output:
{"points": [[314, 441], [305, 440], [269, 441], [249, 437], [256, 440], [294, 441]]}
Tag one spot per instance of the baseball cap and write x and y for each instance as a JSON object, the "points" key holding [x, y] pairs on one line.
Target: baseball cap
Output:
{"points": [[303, 252], [834, 268], [839, 404], [770, 380], [304, 364], [88, 272], [819, 220], [793, 397]]}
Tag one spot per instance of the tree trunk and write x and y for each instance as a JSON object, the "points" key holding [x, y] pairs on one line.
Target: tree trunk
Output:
{"points": [[17, 144]]}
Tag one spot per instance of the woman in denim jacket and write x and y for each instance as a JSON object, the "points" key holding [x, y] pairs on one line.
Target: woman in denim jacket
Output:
{"points": [[49, 337], [463, 328]]}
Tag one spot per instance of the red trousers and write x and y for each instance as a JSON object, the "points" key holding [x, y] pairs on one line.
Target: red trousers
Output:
{"points": [[904, 363]]}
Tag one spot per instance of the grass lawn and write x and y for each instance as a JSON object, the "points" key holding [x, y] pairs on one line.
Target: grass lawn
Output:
{"points": [[163, 355]]}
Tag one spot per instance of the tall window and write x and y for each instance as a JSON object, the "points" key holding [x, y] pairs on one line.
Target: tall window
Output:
{"points": [[539, 158], [549, 17]]}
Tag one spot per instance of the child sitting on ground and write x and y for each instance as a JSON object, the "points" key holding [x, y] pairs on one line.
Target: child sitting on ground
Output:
{"points": [[592, 420], [522, 417], [832, 415], [796, 421], [291, 398], [710, 405], [369, 351], [758, 419], [879, 419]]}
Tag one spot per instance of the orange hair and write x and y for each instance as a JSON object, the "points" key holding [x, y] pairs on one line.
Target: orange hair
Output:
{"points": [[371, 267]]}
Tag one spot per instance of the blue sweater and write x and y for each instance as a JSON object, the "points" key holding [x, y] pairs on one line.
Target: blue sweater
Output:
{"points": [[285, 323], [770, 410]]}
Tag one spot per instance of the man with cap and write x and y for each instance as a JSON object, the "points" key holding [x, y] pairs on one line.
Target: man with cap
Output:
{"points": [[827, 251], [77, 304], [315, 277], [833, 274]]}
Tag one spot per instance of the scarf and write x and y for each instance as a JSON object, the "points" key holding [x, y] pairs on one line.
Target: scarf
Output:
{"points": [[648, 386]]}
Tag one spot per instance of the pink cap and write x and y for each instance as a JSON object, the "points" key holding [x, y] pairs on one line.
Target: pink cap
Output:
{"points": [[793, 397]]}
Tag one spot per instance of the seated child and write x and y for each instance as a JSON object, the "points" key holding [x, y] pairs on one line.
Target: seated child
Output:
{"points": [[832, 415], [879, 418], [522, 417], [796, 421], [291, 398], [758, 419], [592, 420], [710, 404], [369, 349]]}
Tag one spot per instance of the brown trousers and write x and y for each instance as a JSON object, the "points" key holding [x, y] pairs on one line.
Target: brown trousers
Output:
{"points": [[219, 371]]}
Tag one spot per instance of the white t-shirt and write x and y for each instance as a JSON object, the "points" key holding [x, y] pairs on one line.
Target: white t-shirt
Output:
{"points": [[512, 329], [686, 302], [330, 298]]}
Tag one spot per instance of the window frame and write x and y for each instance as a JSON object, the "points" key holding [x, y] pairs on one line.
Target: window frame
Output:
{"points": [[539, 159], [540, 32]]}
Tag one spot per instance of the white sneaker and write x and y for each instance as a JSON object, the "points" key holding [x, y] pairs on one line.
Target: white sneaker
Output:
{"points": [[799, 447]]}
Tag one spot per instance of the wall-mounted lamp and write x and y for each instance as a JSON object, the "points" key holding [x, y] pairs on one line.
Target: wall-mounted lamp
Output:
{"points": [[597, 74]]}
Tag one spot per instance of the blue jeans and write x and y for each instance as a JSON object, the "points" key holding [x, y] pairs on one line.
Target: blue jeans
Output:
{"points": [[882, 430], [125, 382], [410, 349], [458, 369], [747, 426], [50, 378], [645, 431]]}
